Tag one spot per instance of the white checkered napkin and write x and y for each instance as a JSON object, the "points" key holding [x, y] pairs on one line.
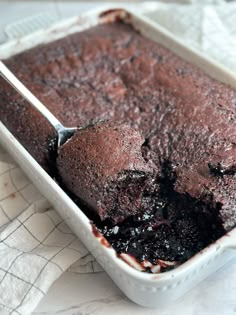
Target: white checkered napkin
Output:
{"points": [[210, 28], [36, 246]]}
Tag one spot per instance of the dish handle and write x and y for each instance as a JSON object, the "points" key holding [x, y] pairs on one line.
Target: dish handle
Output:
{"points": [[30, 24]]}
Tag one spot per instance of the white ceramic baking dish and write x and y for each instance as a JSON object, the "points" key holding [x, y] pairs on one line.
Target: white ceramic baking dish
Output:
{"points": [[150, 290]]}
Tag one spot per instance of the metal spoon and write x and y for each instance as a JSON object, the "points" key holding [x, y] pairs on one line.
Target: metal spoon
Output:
{"points": [[63, 133]]}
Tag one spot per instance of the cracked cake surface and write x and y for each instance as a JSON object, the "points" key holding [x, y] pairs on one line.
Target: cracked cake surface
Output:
{"points": [[187, 119]]}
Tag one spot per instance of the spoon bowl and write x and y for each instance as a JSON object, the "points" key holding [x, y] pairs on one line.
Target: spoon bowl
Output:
{"points": [[64, 134]]}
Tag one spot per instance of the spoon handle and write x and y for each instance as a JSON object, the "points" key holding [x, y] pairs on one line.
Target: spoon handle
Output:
{"points": [[27, 95]]}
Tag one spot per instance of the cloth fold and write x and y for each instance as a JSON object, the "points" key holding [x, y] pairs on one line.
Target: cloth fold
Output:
{"points": [[208, 28], [36, 246]]}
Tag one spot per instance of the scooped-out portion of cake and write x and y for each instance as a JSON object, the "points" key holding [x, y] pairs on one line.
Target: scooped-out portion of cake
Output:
{"points": [[172, 228], [170, 130], [103, 166]]}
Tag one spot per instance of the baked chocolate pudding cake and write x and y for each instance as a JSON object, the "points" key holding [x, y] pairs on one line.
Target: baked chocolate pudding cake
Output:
{"points": [[186, 148], [103, 165]]}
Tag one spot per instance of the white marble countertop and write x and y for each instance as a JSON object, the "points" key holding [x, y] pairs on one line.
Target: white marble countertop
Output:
{"points": [[97, 294], [80, 294]]}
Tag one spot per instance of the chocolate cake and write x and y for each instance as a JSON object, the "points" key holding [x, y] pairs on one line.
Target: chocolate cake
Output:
{"points": [[103, 166], [112, 72]]}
